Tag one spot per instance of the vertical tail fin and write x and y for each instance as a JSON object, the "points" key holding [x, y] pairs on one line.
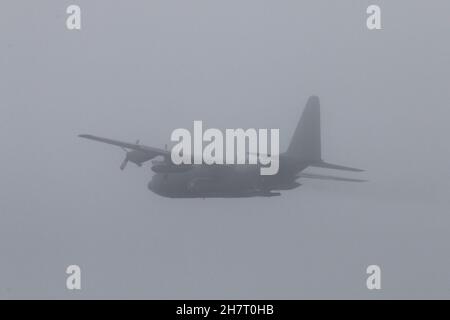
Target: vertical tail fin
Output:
{"points": [[305, 145], [306, 141]]}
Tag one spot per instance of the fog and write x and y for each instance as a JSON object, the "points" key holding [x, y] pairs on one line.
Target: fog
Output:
{"points": [[140, 69]]}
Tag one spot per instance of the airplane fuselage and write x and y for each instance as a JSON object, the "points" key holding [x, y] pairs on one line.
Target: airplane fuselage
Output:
{"points": [[206, 181]]}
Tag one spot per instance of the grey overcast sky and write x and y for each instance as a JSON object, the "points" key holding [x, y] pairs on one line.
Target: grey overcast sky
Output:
{"points": [[139, 69]]}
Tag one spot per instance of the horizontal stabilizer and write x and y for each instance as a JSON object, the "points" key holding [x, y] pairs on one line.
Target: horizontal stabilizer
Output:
{"points": [[328, 177], [323, 164]]}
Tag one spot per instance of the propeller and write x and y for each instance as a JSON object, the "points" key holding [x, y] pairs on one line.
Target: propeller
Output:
{"points": [[124, 163], [127, 158]]}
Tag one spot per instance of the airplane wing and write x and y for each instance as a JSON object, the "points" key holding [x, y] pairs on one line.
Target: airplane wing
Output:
{"points": [[132, 146], [327, 177], [138, 154]]}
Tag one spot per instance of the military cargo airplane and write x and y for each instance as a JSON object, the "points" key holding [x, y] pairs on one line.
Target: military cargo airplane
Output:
{"points": [[237, 180]]}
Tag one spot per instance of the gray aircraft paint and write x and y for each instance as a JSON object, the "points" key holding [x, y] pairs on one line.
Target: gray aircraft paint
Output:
{"points": [[234, 180]]}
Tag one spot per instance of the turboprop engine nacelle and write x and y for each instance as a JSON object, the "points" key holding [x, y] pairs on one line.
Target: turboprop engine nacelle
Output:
{"points": [[137, 157]]}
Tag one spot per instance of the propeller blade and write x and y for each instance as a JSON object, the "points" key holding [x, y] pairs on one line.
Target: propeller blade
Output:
{"points": [[124, 163]]}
